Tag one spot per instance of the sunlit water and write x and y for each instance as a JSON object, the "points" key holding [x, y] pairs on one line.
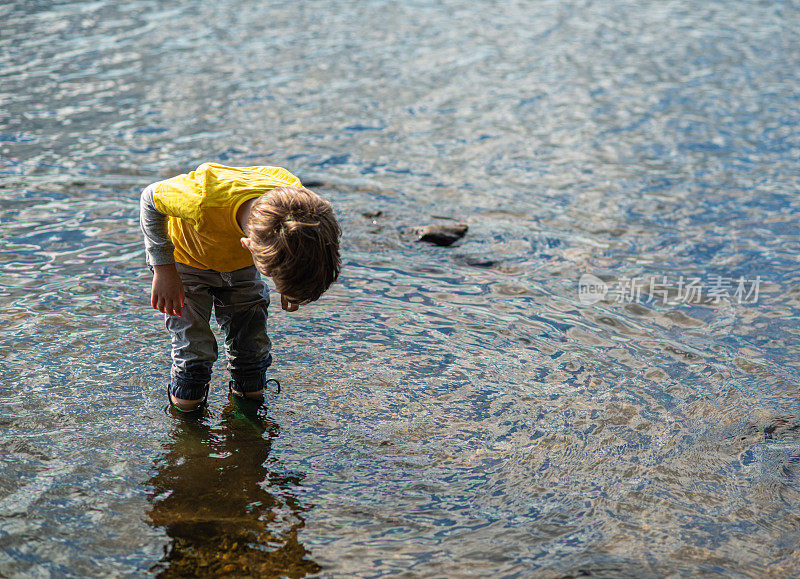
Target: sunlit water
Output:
{"points": [[445, 411]]}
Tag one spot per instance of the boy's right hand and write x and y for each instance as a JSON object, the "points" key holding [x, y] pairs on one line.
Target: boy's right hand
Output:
{"points": [[167, 295]]}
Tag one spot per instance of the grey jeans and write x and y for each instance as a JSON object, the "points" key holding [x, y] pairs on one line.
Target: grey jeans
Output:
{"points": [[239, 299]]}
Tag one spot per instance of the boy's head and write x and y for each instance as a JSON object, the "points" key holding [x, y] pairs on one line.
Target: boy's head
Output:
{"points": [[294, 238]]}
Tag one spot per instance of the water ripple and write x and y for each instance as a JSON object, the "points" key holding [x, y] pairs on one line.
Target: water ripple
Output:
{"points": [[445, 411]]}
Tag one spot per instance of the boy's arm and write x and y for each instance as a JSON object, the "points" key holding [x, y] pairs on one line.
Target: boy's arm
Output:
{"points": [[167, 291], [157, 244]]}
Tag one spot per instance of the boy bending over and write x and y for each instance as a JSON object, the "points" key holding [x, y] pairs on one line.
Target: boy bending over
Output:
{"points": [[208, 235]]}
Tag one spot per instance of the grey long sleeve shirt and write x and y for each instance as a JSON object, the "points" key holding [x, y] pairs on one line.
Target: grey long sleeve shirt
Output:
{"points": [[157, 244]]}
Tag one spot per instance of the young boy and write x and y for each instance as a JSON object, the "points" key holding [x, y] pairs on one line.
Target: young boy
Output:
{"points": [[208, 234]]}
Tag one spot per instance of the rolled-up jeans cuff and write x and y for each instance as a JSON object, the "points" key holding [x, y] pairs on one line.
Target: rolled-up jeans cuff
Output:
{"points": [[251, 381], [188, 388]]}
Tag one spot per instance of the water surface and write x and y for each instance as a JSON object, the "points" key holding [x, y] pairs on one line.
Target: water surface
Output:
{"points": [[445, 411]]}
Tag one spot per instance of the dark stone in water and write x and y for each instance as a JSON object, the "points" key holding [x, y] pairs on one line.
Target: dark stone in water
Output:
{"points": [[372, 214], [442, 235], [473, 261]]}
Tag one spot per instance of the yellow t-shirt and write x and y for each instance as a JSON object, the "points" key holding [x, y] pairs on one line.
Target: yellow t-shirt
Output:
{"points": [[202, 206]]}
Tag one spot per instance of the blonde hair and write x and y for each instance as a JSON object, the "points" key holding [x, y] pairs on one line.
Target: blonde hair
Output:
{"points": [[296, 241]]}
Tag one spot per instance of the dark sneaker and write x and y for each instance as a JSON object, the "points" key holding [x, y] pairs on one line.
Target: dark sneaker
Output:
{"points": [[247, 410], [178, 411]]}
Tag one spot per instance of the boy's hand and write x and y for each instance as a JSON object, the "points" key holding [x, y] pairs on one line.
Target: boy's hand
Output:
{"points": [[287, 305], [167, 295]]}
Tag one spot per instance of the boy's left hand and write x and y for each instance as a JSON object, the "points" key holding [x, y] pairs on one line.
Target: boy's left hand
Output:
{"points": [[288, 306]]}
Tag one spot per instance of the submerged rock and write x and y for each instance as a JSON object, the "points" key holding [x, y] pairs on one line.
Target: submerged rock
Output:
{"points": [[442, 234], [474, 261]]}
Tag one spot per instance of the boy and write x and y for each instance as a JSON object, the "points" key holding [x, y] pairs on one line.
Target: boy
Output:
{"points": [[208, 234]]}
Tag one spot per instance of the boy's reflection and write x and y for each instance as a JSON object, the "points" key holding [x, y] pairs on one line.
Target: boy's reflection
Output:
{"points": [[225, 512]]}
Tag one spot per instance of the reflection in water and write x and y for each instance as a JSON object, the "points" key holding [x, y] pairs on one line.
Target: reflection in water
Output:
{"points": [[223, 508], [455, 410]]}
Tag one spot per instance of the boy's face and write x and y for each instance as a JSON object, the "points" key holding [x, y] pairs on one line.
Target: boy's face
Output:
{"points": [[287, 303]]}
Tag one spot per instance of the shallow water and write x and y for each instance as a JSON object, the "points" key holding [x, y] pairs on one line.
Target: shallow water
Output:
{"points": [[445, 411]]}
